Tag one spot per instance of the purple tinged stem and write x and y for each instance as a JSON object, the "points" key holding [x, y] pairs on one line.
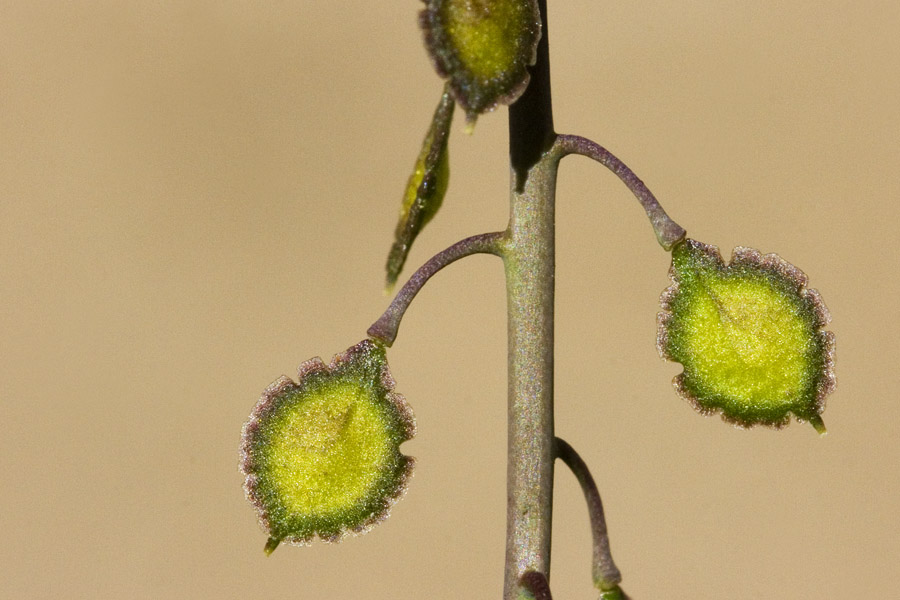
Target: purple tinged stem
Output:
{"points": [[606, 575], [668, 232], [385, 328]]}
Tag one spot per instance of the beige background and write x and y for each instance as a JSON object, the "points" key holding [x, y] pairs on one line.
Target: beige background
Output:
{"points": [[196, 196]]}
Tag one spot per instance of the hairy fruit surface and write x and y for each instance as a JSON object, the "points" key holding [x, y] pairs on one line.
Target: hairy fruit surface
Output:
{"points": [[749, 335], [483, 47], [321, 456]]}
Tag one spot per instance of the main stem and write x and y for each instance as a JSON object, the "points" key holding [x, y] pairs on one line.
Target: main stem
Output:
{"points": [[530, 264]]}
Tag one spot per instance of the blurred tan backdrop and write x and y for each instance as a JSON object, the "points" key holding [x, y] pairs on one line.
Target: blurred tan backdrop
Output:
{"points": [[196, 196]]}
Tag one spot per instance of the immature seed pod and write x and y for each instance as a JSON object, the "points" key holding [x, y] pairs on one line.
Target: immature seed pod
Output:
{"points": [[483, 47], [425, 188], [321, 456], [749, 335]]}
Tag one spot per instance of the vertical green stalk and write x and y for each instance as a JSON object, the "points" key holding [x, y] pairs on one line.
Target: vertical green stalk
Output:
{"points": [[530, 264]]}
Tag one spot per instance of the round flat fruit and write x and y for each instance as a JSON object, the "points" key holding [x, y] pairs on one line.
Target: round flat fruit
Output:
{"points": [[749, 335], [321, 457]]}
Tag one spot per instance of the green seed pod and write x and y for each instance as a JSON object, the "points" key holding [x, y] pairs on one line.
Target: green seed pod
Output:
{"points": [[321, 456], [615, 594], [425, 189], [483, 47], [749, 335]]}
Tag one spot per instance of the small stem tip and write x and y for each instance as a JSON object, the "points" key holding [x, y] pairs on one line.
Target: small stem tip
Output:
{"points": [[818, 424], [271, 544], [616, 594]]}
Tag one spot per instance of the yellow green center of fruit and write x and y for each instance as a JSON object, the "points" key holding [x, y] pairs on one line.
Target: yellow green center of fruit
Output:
{"points": [[328, 453], [746, 341], [486, 35]]}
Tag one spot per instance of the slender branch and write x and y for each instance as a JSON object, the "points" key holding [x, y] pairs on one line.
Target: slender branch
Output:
{"points": [[668, 232], [536, 583], [606, 575], [385, 328]]}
